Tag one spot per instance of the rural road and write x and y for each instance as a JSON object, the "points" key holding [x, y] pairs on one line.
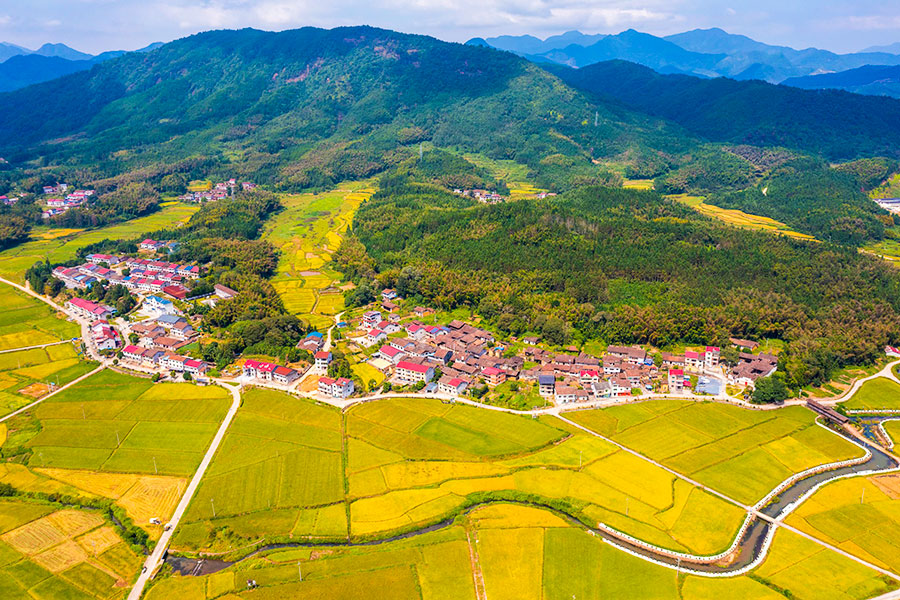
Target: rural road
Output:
{"points": [[37, 346], [155, 560], [53, 393], [85, 325]]}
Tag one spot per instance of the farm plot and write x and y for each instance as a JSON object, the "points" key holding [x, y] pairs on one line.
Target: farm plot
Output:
{"points": [[116, 423], [308, 231], [876, 394], [61, 553], [282, 469], [521, 553], [60, 245], [26, 321], [26, 375], [741, 453], [280, 453], [860, 515]]}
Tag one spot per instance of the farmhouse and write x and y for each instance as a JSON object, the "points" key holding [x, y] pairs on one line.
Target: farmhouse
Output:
{"points": [[225, 293], [676, 381], [160, 305], [89, 310], [336, 388], [493, 376], [412, 372], [104, 335], [454, 386], [546, 385], [390, 354], [371, 319], [323, 359]]}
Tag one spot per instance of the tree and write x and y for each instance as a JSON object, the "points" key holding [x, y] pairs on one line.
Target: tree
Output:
{"points": [[769, 390], [729, 355], [133, 338]]}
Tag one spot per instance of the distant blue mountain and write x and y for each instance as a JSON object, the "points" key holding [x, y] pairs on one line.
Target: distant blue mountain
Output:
{"points": [[701, 52], [872, 80], [49, 62], [529, 45]]}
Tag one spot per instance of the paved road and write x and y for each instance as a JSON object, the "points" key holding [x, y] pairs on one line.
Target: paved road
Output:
{"points": [[85, 325], [887, 371], [37, 346], [155, 560], [51, 394]]}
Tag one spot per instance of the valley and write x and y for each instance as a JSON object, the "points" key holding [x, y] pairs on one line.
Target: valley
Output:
{"points": [[354, 313]]}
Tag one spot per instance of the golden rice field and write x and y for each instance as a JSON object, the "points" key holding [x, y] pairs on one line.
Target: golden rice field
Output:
{"points": [[510, 552], [307, 232], [59, 245], [739, 218], [51, 552], [142, 496]]}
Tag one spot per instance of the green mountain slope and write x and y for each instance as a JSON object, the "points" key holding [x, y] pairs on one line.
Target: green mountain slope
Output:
{"points": [[834, 124], [309, 107]]}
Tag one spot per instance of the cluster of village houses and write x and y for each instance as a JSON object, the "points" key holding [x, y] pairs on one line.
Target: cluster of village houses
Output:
{"points": [[491, 197], [464, 354], [208, 192], [145, 275], [57, 206]]}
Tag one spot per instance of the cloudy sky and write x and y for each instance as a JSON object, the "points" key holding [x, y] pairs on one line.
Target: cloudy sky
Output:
{"points": [[97, 25]]}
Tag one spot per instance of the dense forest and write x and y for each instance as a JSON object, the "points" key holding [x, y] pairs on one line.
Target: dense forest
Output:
{"points": [[834, 124], [625, 266]]}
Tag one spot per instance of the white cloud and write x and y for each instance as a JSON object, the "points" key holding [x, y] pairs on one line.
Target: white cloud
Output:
{"points": [[5, 19]]}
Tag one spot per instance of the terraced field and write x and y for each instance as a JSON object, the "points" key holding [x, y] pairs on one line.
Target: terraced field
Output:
{"points": [[741, 453], [739, 218], [47, 551], [59, 245], [308, 231], [521, 553]]}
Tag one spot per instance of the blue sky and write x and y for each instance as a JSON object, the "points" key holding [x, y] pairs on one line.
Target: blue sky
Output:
{"points": [[97, 25]]}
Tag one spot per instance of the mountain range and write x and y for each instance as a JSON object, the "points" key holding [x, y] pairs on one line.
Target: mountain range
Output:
{"points": [[311, 107], [873, 80], [21, 67], [701, 52]]}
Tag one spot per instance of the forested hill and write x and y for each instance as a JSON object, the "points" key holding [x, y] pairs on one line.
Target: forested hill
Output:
{"points": [[835, 124], [625, 266], [313, 106]]}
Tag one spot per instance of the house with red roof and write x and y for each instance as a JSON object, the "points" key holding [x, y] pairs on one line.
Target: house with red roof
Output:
{"points": [[676, 381], [89, 310], [390, 354], [410, 372], [493, 376], [374, 336], [336, 388], [323, 359]]}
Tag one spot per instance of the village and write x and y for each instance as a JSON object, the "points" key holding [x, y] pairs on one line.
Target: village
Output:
{"points": [[458, 359], [413, 352]]}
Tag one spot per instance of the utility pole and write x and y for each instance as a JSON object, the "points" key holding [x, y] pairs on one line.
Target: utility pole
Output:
{"points": [[213, 506], [596, 118], [862, 497], [299, 571], [626, 506], [118, 441], [155, 470], [421, 150]]}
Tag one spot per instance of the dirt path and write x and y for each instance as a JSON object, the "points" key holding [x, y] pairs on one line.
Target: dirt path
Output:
{"points": [[475, 563]]}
